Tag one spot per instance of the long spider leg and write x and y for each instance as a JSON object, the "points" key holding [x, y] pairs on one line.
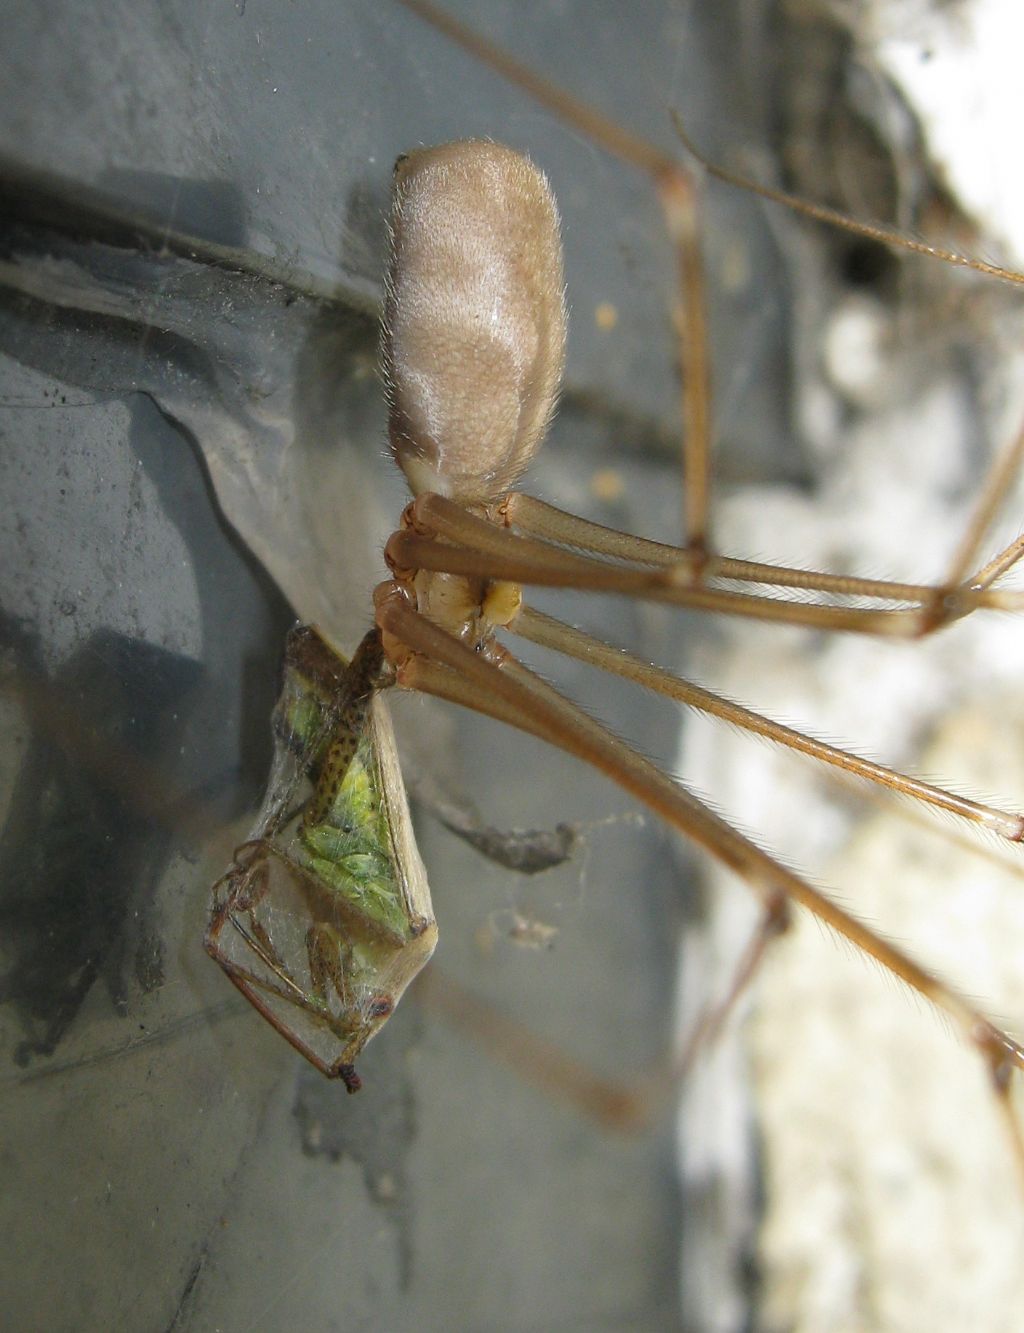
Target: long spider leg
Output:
{"points": [[832, 217], [536, 518], [713, 1017], [551, 633], [491, 552], [627, 1107], [1001, 473], [998, 566], [531, 704], [632, 1101]]}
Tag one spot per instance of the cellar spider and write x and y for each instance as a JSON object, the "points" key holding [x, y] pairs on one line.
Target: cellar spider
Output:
{"points": [[935, 607], [470, 541], [485, 539]]}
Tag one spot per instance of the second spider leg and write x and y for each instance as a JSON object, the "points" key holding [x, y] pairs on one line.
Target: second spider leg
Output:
{"points": [[513, 694]]}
